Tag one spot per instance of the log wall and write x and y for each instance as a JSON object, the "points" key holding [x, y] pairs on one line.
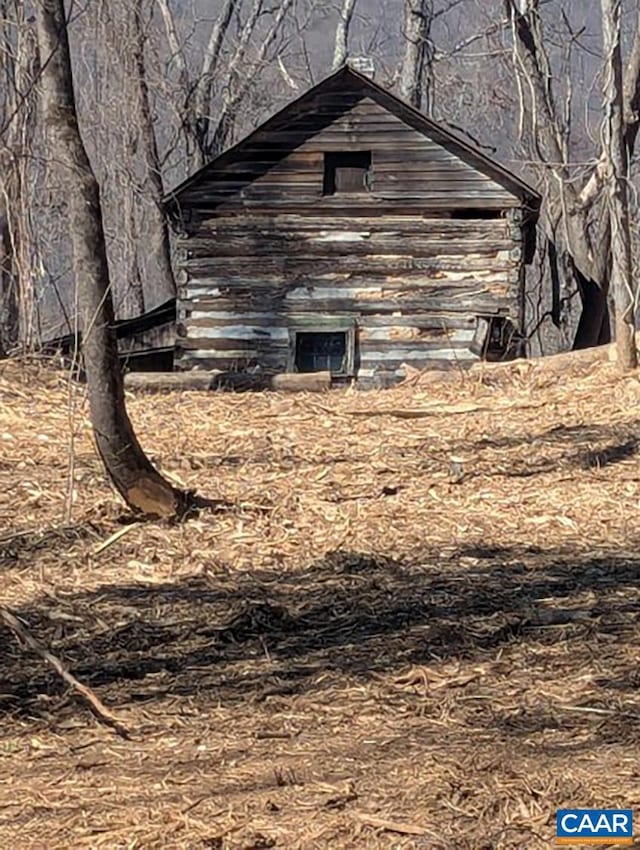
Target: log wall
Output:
{"points": [[412, 262]]}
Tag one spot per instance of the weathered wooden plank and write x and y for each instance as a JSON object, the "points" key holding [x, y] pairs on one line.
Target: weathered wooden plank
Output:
{"points": [[462, 238], [304, 188], [356, 204], [251, 322], [415, 322], [411, 347], [397, 225], [201, 286], [454, 221], [294, 275], [277, 332], [421, 222], [489, 304], [436, 359], [380, 176], [437, 180], [270, 270], [238, 336], [346, 245], [373, 265], [294, 160], [287, 298], [230, 359], [465, 291], [396, 335], [384, 362], [242, 347], [391, 197]]}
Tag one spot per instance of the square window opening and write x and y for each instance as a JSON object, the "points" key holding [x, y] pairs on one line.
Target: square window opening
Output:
{"points": [[347, 172], [331, 350], [324, 351]]}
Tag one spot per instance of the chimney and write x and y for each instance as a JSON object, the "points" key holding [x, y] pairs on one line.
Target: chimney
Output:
{"points": [[363, 65]]}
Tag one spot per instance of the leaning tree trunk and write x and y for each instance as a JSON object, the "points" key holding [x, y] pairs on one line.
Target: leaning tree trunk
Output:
{"points": [[615, 154], [133, 475]]}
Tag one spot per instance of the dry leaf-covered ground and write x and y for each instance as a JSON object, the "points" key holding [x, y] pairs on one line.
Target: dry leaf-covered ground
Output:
{"points": [[415, 626]]}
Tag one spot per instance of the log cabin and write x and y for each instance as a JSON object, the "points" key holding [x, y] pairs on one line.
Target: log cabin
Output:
{"points": [[351, 234]]}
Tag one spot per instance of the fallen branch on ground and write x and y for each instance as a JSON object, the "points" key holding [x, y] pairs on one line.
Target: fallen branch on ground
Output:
{"points": [[392, 826], [96, 705]]}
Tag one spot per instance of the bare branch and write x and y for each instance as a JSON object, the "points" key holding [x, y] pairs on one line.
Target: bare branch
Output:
{"points": [[95, 703], [203, 89]]}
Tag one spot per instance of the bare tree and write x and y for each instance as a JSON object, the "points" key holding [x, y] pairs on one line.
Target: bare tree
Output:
{"points": [[19, 320], [202, 100], [576, 218], [9, 308], [241, 77], [416, 71], [210, 98], [197, 95], [617, 170], [133, 475], [158, 243], [341, 44]]}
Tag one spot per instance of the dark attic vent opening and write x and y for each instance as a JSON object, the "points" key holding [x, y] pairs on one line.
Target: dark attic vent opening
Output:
{"points": [[347, 171], [473, 212]]}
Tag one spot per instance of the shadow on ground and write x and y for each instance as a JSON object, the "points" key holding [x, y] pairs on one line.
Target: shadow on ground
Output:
{"points": [[566, 446], [244, 638]]}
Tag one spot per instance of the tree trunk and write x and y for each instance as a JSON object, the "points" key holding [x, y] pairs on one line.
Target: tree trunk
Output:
{"points": [[140, 485], [615, 152], [162, 286], [582, 225], [9, 324], [9, 327], [415, 76], [19, 65], [341, 44]]}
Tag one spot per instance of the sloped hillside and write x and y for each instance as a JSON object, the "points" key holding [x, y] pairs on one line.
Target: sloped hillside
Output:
{"points": [[414, 623]]}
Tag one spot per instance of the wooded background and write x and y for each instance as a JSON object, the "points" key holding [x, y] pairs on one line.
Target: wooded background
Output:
{"points": [[163, 85]]}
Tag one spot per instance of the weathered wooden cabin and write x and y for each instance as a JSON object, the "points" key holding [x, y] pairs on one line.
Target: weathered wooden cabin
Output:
{"points": [[350, 233]]}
